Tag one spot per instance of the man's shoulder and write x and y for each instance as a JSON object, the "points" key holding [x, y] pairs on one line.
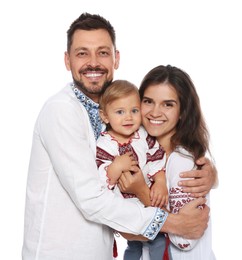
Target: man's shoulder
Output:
{"points": [[63, 100], [65, 93]]}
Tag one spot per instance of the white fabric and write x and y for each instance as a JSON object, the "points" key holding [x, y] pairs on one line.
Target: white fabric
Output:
{"points": [[201, 249], [67, 208], [107, 143]]}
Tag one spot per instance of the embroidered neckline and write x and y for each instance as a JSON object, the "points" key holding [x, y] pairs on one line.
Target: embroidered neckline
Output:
{"points": [[92, 109], [134, 136]]}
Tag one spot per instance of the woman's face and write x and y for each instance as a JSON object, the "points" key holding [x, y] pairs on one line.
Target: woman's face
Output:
{"points": [[160, 111]]}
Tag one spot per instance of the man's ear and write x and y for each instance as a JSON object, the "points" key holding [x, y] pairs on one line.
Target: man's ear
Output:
{"points": [[103, 116], [67, 61], [117, 60]]}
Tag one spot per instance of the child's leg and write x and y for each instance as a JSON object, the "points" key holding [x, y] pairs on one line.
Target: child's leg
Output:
{"points": [[158, 247], [133, 250]]}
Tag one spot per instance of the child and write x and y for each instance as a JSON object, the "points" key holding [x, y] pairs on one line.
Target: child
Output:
{"points": [[125, 144]]}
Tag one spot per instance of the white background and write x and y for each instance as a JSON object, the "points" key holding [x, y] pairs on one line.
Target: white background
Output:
{"points": [[201, 37]]}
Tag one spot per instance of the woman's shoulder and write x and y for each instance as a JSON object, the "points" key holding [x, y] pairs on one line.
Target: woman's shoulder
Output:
{"points": [[180, 159]]}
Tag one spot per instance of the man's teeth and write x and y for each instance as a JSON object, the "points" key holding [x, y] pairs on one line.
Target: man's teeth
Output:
{"points": [[93, 75]]}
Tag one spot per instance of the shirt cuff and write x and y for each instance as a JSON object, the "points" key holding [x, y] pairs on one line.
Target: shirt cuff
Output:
{"points": [[156, 224]]}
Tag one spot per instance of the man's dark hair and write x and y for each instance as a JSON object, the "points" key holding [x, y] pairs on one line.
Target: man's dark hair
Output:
{"points": [[90, 22]]}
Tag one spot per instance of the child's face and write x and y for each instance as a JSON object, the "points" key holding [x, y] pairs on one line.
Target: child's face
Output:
{"points": [[124, 115]]}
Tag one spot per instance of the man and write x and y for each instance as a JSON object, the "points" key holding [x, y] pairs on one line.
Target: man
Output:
{"points": [[69, 214]]}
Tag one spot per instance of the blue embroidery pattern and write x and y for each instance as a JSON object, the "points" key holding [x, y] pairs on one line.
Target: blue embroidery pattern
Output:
{"points": [[157, 223], [92, 110]]}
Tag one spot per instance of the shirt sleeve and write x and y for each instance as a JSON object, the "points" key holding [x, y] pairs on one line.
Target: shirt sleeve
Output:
{"points": [[63, 129], [156, 160], [178, 162], [104, 157]]}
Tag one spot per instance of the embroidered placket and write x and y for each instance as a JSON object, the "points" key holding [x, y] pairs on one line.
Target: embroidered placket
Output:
{"points": [[92, 110]]}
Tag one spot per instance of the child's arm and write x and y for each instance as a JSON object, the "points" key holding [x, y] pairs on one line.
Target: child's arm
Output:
{"points": [[158, 190], [119, 165]]}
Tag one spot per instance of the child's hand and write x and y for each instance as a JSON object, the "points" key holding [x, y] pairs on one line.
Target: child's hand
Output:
{"points": [[159, 194], [125, 162], [120, 164]]}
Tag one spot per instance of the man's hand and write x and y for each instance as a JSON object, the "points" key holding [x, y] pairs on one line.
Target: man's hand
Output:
{"points": [[202, 180], [190, 222]]}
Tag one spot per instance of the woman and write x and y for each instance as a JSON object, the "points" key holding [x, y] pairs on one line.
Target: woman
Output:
{"points": [[171, 112]]}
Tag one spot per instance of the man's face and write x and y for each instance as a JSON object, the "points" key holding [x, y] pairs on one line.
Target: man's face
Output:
{"points": [[92, 60]]}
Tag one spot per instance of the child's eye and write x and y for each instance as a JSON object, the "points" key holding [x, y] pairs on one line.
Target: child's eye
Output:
{"points": [[135, 110], [120, 112]]}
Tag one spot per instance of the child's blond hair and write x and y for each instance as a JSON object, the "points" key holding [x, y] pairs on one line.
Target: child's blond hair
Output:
{"points": [[118, 89]]}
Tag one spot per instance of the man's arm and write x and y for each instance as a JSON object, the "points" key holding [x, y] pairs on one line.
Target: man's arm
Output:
{"points": [[203, 180], [190, 222]]}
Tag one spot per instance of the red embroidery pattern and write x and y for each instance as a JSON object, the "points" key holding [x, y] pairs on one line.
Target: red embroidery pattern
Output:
{"points": [[124, 148], [177, 199], [150, 141], [184, 246], [103, 155], [128, 195], [158, 155]]}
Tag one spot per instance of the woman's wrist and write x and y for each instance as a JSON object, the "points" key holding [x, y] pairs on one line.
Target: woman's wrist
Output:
{"points": [[144, 195]]}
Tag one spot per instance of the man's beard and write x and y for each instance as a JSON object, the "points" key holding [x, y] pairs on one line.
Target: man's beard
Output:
{"points": [[87, 90]]}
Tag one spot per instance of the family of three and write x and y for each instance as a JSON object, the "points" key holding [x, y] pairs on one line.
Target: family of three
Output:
{"points": [[79, 194]]}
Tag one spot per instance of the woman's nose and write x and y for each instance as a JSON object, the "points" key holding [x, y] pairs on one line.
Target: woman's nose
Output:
{"points": [[156, 111]]}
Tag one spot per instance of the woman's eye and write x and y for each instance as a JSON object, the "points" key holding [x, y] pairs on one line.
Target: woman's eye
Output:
{"points": [[168, 104], [146, 101]]}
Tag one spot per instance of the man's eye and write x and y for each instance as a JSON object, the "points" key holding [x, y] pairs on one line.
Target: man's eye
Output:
{"points": [[103, 53], [81, 54]]}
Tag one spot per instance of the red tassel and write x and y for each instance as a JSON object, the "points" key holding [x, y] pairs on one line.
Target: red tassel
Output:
{"points": [[115, 249], [166, 253]]}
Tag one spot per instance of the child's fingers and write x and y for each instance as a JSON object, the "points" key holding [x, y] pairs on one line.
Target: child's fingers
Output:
{"points": [[134, 163], [167, 200], [158, 200], [161, 202]]}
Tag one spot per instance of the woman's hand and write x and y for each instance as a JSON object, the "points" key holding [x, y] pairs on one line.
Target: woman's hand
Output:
{"points": [[133, 182]]}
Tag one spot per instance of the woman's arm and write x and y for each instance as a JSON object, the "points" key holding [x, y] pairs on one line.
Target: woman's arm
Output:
{"points": [[134, 183], [177, 162]]}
